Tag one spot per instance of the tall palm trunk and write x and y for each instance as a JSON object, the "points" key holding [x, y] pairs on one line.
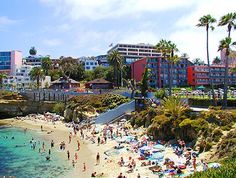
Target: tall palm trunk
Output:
{"points": [[209, 68], [226, 73], [169, 76]]}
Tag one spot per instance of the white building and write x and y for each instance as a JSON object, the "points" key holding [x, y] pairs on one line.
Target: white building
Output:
{"points": [[133, 52], [89, 63], [21, 79]]}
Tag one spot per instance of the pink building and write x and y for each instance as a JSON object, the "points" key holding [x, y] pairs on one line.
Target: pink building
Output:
{"points": [[9, 61]]}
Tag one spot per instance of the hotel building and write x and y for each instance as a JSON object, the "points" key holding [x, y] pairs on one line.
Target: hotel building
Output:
{"points": [[158, 71], [199, 75], [133, 52]]}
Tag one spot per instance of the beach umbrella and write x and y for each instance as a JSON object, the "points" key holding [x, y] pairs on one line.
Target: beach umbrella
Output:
{"points": [[159, 147], [201, 87]]}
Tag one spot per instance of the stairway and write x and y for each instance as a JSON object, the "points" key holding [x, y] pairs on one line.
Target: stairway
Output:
{"points": [[110, 115]]}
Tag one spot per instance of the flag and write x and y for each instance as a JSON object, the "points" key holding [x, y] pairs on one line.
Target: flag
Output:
{"points": [[111, 45]]}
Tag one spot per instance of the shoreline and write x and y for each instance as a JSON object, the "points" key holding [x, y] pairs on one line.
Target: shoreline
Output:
{"points": [[58, 133]]}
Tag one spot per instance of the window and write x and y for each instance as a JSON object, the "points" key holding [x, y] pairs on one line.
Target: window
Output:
{"points": [[91, 63], [88, 68]]}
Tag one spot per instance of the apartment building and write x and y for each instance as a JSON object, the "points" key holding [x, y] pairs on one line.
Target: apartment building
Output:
{"points": [[134, 52], [158, 71], [199, 75], [9, 61]]}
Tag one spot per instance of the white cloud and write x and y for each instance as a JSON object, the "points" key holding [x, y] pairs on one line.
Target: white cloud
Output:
{"points": [[52, 42], [102, 9], [6, 21], [192, 39]]}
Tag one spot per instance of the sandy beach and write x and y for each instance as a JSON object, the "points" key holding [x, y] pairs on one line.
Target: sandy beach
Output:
{"points": [[108, 164]]}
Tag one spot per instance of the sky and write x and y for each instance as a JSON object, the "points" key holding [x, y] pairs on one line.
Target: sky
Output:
{"points": [[87, 27]]}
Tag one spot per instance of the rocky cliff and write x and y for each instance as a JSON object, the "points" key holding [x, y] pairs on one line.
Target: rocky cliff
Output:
{"points": [[12, 108]]}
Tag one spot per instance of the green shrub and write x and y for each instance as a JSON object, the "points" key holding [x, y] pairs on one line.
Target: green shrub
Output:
{"points": [[208, 146], [59, 108]]}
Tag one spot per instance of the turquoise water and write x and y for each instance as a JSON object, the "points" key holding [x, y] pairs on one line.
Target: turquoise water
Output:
{"points": [[24, 162]]}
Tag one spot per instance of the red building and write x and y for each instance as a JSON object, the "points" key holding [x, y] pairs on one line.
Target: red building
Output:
{"points": [[199, 75], [159, 71], [137, 69]]}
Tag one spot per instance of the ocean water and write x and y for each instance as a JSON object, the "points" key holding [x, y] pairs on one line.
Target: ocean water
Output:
{"points": [[24, 162]]}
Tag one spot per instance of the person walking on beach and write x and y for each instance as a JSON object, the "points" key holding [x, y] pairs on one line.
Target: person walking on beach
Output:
{"points": [[98, 159], [41, 128], [78, 143], [70, 136], [49, 151], [76, 157], [68, 155], [99, 139], [84, 167], [73, 163]]}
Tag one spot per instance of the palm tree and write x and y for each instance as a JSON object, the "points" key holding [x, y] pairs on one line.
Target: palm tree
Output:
{"points": [[224, 44], [2, 76], [167, 48], [46, 64], [229, 20], [216, 60], [115, 59], [37, 74], [198, 61], [207, 21], [174, 106]]}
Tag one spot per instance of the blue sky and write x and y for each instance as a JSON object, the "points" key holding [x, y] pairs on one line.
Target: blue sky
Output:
{"points": [[86, 28]]}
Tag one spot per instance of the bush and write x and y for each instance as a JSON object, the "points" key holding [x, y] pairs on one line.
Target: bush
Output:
{"points": [[59, 108], [205, 102], [217, 133]]}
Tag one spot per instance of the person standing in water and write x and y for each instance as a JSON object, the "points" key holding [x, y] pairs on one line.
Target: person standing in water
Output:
{"points": [[52, 144], [41, 128]]}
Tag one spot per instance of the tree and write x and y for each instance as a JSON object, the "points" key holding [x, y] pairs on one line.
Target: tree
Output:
{"points": [[37, 74], [32, 51], [216, 60], [99, 72], [115, 60], [229, 20], [2, 76], [144, 83], [207, 21], [224, 45], [46, 64], [167, 48], [198, 61], [79, 72], [68, 66]]}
